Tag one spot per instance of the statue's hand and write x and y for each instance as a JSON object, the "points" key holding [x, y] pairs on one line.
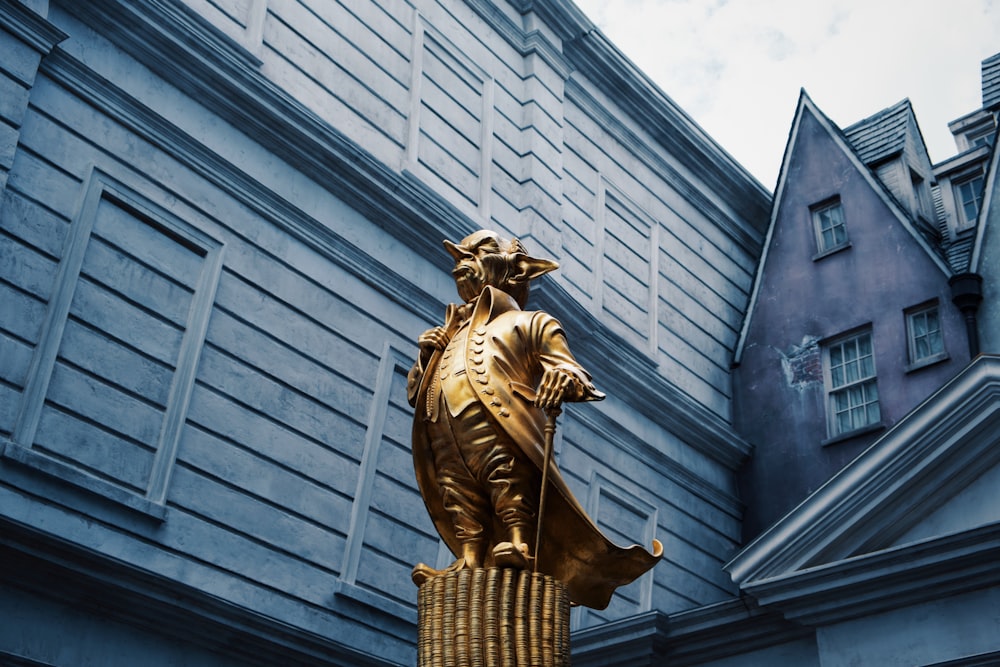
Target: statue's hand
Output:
{"points": [[555, 385], [432, 339]]}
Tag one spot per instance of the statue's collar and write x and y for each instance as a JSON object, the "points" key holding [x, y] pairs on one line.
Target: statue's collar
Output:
{"points": [[492, 302]]}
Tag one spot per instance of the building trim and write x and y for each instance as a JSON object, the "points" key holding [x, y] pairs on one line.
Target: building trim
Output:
{"points": [[927, 457], [160, 604], [990, 187]]}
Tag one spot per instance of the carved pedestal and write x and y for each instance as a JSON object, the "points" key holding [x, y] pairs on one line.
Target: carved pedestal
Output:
{"points": [[493, 618]]}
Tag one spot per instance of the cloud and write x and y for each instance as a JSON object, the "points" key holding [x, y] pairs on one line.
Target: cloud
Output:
{"points": [[737, 67]]}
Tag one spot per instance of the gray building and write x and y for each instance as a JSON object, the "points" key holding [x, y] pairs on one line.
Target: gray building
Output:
{"points": [[868, 384], [221, 228]]}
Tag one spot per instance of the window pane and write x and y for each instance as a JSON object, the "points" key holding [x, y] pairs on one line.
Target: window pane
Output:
{"points": [[864, 344], [840, 234], [836, 355], [851, 371], [934, 343]]}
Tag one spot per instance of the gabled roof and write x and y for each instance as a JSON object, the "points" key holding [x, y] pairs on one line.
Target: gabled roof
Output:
{"points": [[873, 537], [881, 135], [806, 105], [991, 82]]}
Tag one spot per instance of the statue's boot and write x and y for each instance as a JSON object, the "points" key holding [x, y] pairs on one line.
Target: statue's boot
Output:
{"points": [[471, 558], [515, 553]]}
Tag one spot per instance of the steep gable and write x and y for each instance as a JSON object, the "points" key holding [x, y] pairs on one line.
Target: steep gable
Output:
{"points": [[902, 522], [874, 146]]}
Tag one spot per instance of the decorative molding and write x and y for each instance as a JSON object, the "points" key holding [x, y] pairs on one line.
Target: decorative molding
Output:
{"points": [[529, 43], [735, 627], [594, 56], [636, 641], [147, 124], [30, 27], [877, 582], [611, 199], [929, 456], [610, 485], [99, 187], [747, 238], [427, 41], [727, 629], [161, 604], [392, 361], [655, 457], [178, 45], [404, 206]]}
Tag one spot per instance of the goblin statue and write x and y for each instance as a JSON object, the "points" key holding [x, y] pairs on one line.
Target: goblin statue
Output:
{"points": [[482, 387]]}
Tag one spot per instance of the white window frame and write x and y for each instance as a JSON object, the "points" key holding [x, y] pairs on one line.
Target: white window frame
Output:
{"points": [[915, 333], [960, 200], [817, 213], [851, 383]]}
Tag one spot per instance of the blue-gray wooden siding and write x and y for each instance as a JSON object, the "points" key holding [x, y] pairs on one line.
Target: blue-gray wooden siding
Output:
{"points": [[290, 481]]}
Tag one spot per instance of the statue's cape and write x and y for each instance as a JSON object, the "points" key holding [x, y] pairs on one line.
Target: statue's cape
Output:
{"points": [[520, 345]]}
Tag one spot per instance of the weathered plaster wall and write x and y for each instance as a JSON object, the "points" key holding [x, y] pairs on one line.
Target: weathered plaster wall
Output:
{"points": [[780, 404]]}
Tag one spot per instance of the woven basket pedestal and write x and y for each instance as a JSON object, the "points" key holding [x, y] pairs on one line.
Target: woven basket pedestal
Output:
{"points": [[493, 618]]}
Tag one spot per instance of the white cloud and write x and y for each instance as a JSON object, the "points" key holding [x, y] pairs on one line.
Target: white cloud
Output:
{"points": [[737, 66]]}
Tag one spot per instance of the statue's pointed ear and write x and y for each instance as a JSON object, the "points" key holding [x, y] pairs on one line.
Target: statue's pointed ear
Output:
{"points": [[455, 251], [528, 268]]}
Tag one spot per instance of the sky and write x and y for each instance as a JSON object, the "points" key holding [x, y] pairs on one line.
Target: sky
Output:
{"points": [[737, 66]]}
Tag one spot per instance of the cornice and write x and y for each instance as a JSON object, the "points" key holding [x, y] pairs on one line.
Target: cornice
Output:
{"points": [[526, 43], [29, 27], [208, 66], [629, 642], [593, 55], [877, 582], [175, 43], [730, 628], [146, 123], [924, 459], [104, 586], [725, 629]]}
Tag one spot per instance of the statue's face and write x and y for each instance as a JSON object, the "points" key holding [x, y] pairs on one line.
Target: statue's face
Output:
{"points": [[479, 261]]}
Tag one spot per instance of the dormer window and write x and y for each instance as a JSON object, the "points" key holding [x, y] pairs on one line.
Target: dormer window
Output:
{"points": [[968, 199], [828, 221], [981, 136]]}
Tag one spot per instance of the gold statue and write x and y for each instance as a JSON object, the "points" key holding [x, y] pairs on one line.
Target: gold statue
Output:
{"points": [[482, 388]]}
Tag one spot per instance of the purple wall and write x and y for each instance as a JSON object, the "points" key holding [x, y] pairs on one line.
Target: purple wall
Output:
{"points": [[779, 394]]}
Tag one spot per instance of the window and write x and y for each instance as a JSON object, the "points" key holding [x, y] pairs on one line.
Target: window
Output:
{"points": [[968, 197], [923, 329], [981, 136], [921, 195], [853, 399], [828, 219]]}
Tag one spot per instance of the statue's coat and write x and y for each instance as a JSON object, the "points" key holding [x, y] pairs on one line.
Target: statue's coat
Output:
{"points": [[518, 346]]}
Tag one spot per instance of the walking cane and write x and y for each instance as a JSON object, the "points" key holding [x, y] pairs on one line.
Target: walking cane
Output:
{"points": [[550, 436]]}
